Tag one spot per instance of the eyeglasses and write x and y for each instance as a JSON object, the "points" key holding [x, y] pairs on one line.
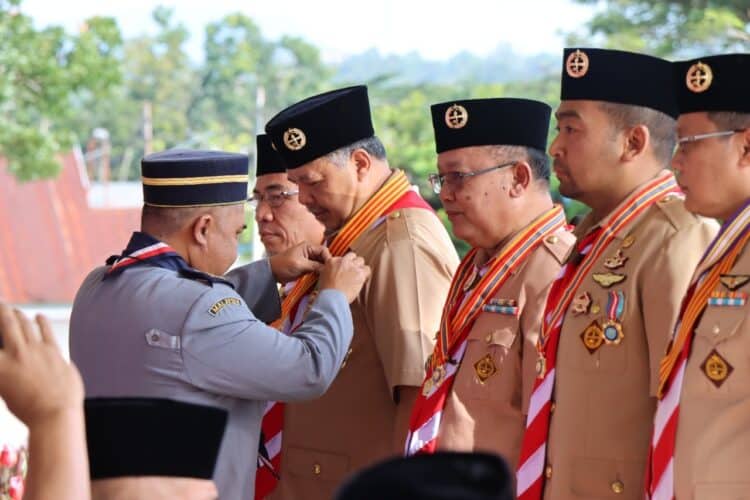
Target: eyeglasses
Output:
{"points": [[689, 139], [274, 198], [455, 179]]}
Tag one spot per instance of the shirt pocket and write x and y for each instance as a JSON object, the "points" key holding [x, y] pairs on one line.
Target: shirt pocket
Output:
{"points": [[490, 359], [314, 465], [719, 331]]}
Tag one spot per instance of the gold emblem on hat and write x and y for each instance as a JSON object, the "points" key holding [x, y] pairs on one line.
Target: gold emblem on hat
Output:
{"points": [[295, 139], [699, 77], [456, 116], [716, 368], [577, 64], [485, 368]]}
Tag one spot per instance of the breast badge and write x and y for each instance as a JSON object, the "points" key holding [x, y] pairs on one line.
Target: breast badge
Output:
{"points": [[485, 368], [606, 280], [616, 261], [716, 368], [581, 304], [734, 281], [592, 337]]}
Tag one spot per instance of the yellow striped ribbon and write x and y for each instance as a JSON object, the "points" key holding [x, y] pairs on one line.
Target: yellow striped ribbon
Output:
{"points": [[394, 188]]}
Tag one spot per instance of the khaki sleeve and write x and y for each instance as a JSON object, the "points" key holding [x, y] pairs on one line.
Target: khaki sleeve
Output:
{"points": [[664, 284], [403, 304]]}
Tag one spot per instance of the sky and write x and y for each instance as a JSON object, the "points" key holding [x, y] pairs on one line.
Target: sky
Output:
{"points": [[436, 29]]}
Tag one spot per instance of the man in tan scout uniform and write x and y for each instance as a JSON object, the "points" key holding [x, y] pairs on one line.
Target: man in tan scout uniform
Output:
{"points": [[328, 145], [282, 223], [609, 315], [507, 210], [701, 434]]}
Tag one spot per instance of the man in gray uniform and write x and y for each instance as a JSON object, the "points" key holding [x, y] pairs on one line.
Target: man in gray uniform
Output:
{"points": [[158, 321]]}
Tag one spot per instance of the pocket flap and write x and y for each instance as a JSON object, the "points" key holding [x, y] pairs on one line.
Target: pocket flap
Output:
{"points": [[308, 463], [720, 323], [500, 336]]}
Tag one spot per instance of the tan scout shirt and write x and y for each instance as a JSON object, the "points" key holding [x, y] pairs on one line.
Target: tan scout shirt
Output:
{"points": [[395, 319], [491, 415], [712, 452], [604, 401]]}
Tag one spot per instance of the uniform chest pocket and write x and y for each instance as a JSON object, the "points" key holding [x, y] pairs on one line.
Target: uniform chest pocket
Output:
{"points": [[720, 324], [491, 357]]}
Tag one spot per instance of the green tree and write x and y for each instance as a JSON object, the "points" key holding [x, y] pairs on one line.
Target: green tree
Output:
{"points": [[43, 74], [671, 27]]}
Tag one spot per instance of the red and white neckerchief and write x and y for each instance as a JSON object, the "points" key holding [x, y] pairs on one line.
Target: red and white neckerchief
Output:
{"points": [[463, 306], [530, 473], [718, 259], [272, 424]]}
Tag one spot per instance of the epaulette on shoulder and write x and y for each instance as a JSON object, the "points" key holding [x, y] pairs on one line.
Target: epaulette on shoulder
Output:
{"points": [[559, 245]]}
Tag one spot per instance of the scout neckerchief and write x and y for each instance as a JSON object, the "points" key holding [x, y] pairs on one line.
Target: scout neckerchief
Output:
{"points": [[533, 448], [718, 260], [145, 250], [395, 194], [460, 311]]}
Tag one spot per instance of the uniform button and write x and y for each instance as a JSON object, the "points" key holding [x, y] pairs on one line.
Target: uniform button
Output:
{"points": [[617, 486], [548, 472], [316, 469], [552, 407], [552, 239], [488, 338], [395, 215], [716, 330]]}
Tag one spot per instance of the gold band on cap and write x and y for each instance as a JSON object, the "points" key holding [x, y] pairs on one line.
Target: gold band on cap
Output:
{"points": [[193, 181]]}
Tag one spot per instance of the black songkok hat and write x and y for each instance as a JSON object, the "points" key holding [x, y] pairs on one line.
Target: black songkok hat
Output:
{"points": [[193, 178], [486, 122], [267, 160], [320, 125], [152, 437], [714, 83], [618, 77], [438, 476]]}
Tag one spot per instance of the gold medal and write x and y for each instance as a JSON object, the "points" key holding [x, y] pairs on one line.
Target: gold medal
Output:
{"points": [[485, 368], [612, 332]]}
